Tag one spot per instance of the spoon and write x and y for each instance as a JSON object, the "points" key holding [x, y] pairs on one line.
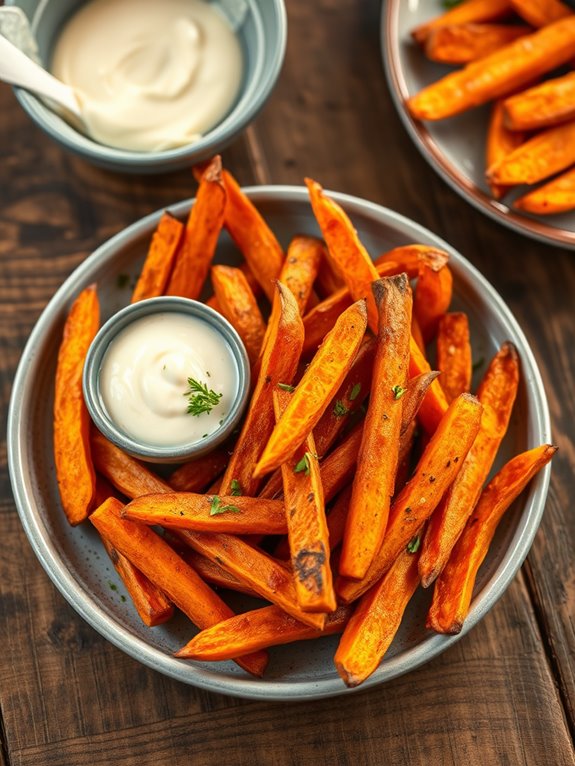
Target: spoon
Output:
{"points": [[17, 69]]}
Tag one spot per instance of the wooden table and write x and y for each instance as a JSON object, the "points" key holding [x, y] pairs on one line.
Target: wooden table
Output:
{"points": [[505, 694]]}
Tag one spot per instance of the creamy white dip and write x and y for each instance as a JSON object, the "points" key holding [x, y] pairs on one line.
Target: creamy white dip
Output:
{"points": [[144, 378], [150, 74]]}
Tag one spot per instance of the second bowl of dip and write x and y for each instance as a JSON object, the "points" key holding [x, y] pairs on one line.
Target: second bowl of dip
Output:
{"points": [[156, 68], [166, 379]]}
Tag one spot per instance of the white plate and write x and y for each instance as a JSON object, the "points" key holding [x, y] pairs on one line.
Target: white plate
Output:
{"points": [[74, 557], [453, 147]]}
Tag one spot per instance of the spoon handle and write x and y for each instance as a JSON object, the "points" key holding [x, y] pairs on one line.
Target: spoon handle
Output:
{"points": [[17, 69]]}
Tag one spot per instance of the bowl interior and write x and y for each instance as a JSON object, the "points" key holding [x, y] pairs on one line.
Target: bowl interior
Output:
{"points": [[75, 559], [261, 29]]}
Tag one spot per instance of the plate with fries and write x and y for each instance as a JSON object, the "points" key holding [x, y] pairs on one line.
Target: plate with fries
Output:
{"points": [[270, 601], [495, 145]]}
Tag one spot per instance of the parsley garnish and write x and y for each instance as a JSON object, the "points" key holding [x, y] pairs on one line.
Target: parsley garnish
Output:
{"points": [[303, 465], [216, 507], [286, 387], [398, 391], [340, 409], [201, 398], [354, 393], [413, 544], [236, 488]]}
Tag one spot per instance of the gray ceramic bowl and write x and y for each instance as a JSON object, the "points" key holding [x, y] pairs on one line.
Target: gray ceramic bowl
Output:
{"points": [[239, 385], [262, 34], [73, 557]]}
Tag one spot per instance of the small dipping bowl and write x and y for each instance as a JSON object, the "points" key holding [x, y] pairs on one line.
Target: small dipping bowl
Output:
{"points": [[238, 386]]}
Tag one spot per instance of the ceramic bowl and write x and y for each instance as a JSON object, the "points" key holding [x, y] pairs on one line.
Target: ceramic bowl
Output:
{"points": [[262, 34], [74, 558]]}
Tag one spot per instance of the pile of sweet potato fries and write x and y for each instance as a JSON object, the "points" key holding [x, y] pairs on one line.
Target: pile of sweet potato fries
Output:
{"points": [[507, 47], [357, 474]]}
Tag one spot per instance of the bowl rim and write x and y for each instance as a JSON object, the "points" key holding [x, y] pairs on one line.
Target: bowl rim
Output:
{"points": [[236, 120], [429, 148], [104, 621]]}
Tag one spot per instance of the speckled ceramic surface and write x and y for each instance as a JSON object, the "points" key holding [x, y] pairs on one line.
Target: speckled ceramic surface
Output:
{"points": [[454, 147], [74, 558]]}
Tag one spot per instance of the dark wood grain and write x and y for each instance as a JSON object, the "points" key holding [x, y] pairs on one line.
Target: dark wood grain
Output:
{"points": [[505, 694]]}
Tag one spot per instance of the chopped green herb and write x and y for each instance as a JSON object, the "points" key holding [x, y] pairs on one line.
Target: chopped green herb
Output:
{"points": [[354, 393], [340, 409], [303, 465], [478, 364], [286, 387], [122, 281], [236, 488], [201, 398], [216, 507], [413, 544], [398, 391], [204, 436]]}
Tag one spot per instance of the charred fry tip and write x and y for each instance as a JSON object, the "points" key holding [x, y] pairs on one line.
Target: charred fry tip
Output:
{"points": [[213, 170], [509, 349]]}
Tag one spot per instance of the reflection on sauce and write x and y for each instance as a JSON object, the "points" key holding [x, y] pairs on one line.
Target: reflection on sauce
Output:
{"points": [[144, 378], [150, 74]]}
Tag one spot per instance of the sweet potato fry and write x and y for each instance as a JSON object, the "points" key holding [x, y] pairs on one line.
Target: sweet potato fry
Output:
{"points": [[253, 236], [463, 43], [201, 236], [345, 248], [454, 586], [238, 304], [254, 568], [301, 266], [503, 72], [410, 259], [378, 453], [438, 466], [471, 11], [416, 334], [72, 454], [500, 143], [328, 279], [162, 565], [372, 627], [454, 354], [160, 259], [315, 390], [126, 473], [556, 196], [542, 105], [150, 602], [541, 156], [280, 358], [432, 299], [209, 513], [196, 475], [497, 394], [306, 523], [258, 629], [538, 13], [434, 405]]}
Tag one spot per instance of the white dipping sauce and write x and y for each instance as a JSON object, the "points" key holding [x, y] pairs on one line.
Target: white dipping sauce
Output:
{"points": [[150, 74], [144, 376]]}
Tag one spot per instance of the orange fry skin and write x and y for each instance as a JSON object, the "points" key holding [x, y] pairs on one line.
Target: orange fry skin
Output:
{"points": [[454, 354], [498, 74], [258, 629], [556, 196], [432, 299], [496, 393], [372, 627], [315, 390], [238, 304], [162, 565], [378, 454], [300, 267], [434, 405], [345, 248], [150, 602], [280, 358], [538, 13], [201, 236], [306, 524], [454, 586], [439, 464], [160, 259], [196, 475], [187, 510], [410, 259], [72, 453], [472, 11], [468, 42], [500, 143], [542, 105]]}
